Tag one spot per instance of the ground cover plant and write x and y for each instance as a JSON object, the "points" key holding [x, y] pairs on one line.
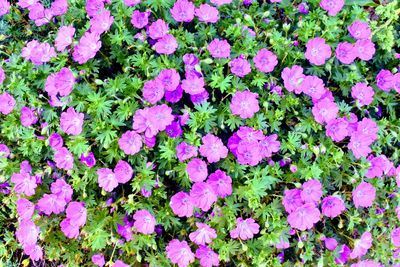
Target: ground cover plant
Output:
{"points": [[199, 133]]}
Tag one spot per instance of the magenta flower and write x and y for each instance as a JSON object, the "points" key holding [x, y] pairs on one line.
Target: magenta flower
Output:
{"points": [[249, 153], [89, 160], [25, 209], [130, 142], [69, 229], [64, 159], [94, 6], [207, 256], [360, 30], [396, 82], [4, 151], [330, 243], [181, 204], [368, 128], [98, 259], [56, 141], [38, 53], [101, 22], [269, 145], [28, 116], [332, 6], [304, 217], [221, 2], [359, 145], [132, 2], [59, 7], [384, 80], [193, 85], [87, 48], [312, 191], [2, 75], [161, 116], [337, 129], [77, 213], [7, 103], [292, 200], [332, 206], [185, 151], [35, 252], [245, 229], [4, 7], [166, 45], [395, 237], [27, 233], [26, 3], [369, 263], [71, 122], [364, 195], [240, 66], [174, 96], [153, 91], [51, 203], [140, 19], [120, 263], [197, 170], [169, 78], [106, 179], [344, 254], [203, 235], [207, 13], [325, 110], [61, 82], [219, 48], [317, 51], [265, 60], [363, 93], [183, 11], [179, 252], [24, 183], [158, 29], [361, 246], [64, 37], [346, 53], [123, 172], [313, 86], [221, 183], [213, 148], [144, 222], [174, 130], [244, 104], [365, 49], [202, 196], [293, 78], [142, 122], [62, 190], [379, 165]]}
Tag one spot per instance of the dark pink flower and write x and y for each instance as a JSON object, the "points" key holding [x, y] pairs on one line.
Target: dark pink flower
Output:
{"points": [[359, 145], [312, 191], [292, 200], [98, 259], [35, 252], [181, 204], [132, 2], [25, 209], [61, 189], [4, 7], [317, 51], [221, 2], [269, 145], [325, 110], [59, 7], [27, 233], [330, 243], [249, 153], [384, 80], [140, 19], [7, 103], [363, 93], [51, 203], [365, 49], [293, 78], [337, 129], [169, 78], [244, 104], [28, 116], [26, 3], [69, 229], [87, 48], [193, 85], [213, 148], [24, 183], [183, 11], [94, 6], [185, 151], [77, 213], [56, 141], [265, 60], [313, 86], [245, 229]]}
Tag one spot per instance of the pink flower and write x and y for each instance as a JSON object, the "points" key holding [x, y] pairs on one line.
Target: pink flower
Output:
{"points": [[4, 151], [71, 122], [213, 148], [313, 87], [346, 53], [88, 46], [144, 222], [364, 195], [56, 141], [219, 48], [107, 179], [361, 245], [132, 2], [269, 145], [207, 256], [2, 75], [158, 29], [161, 116], [140, 19], [64, 37], [292, 200], [202, 196], [24, 183], [64, 159], [337, 129], [27, 233], [363, 93], [395, 237], [360, 30], [379, 165], [169, 78], [130, 142], [59, 7], [181, 204], [304, 217], [193, 85], [332, 6], [61, 82], [4, 7], [35, 252], [61, 189], [325, 110], [123, 172], [332, 206], [203, 235], [7, 103], [221, 183], [221, 2], [51, 203], [166, 45], [77, 213], [38, 53], [101, 22], [183, 11], [244, 104], [185, 151], [28, 117], [368, 263], [245, 229], [359, 145], [312, 191], [368, 128], [384, 80], [69, 229], [344, 253], [25, 209], [249, 153], [207, 13], [265, 60], [240, 66], [120, 263], [179, 252], [26, 3], [98, 259], [365, 49], [396, 82], [293, 78], [142, 122], [317, 51], [197, 170]]}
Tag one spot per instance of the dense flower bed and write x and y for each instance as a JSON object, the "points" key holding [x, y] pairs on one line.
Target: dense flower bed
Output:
{"points": [[201, 133]]}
